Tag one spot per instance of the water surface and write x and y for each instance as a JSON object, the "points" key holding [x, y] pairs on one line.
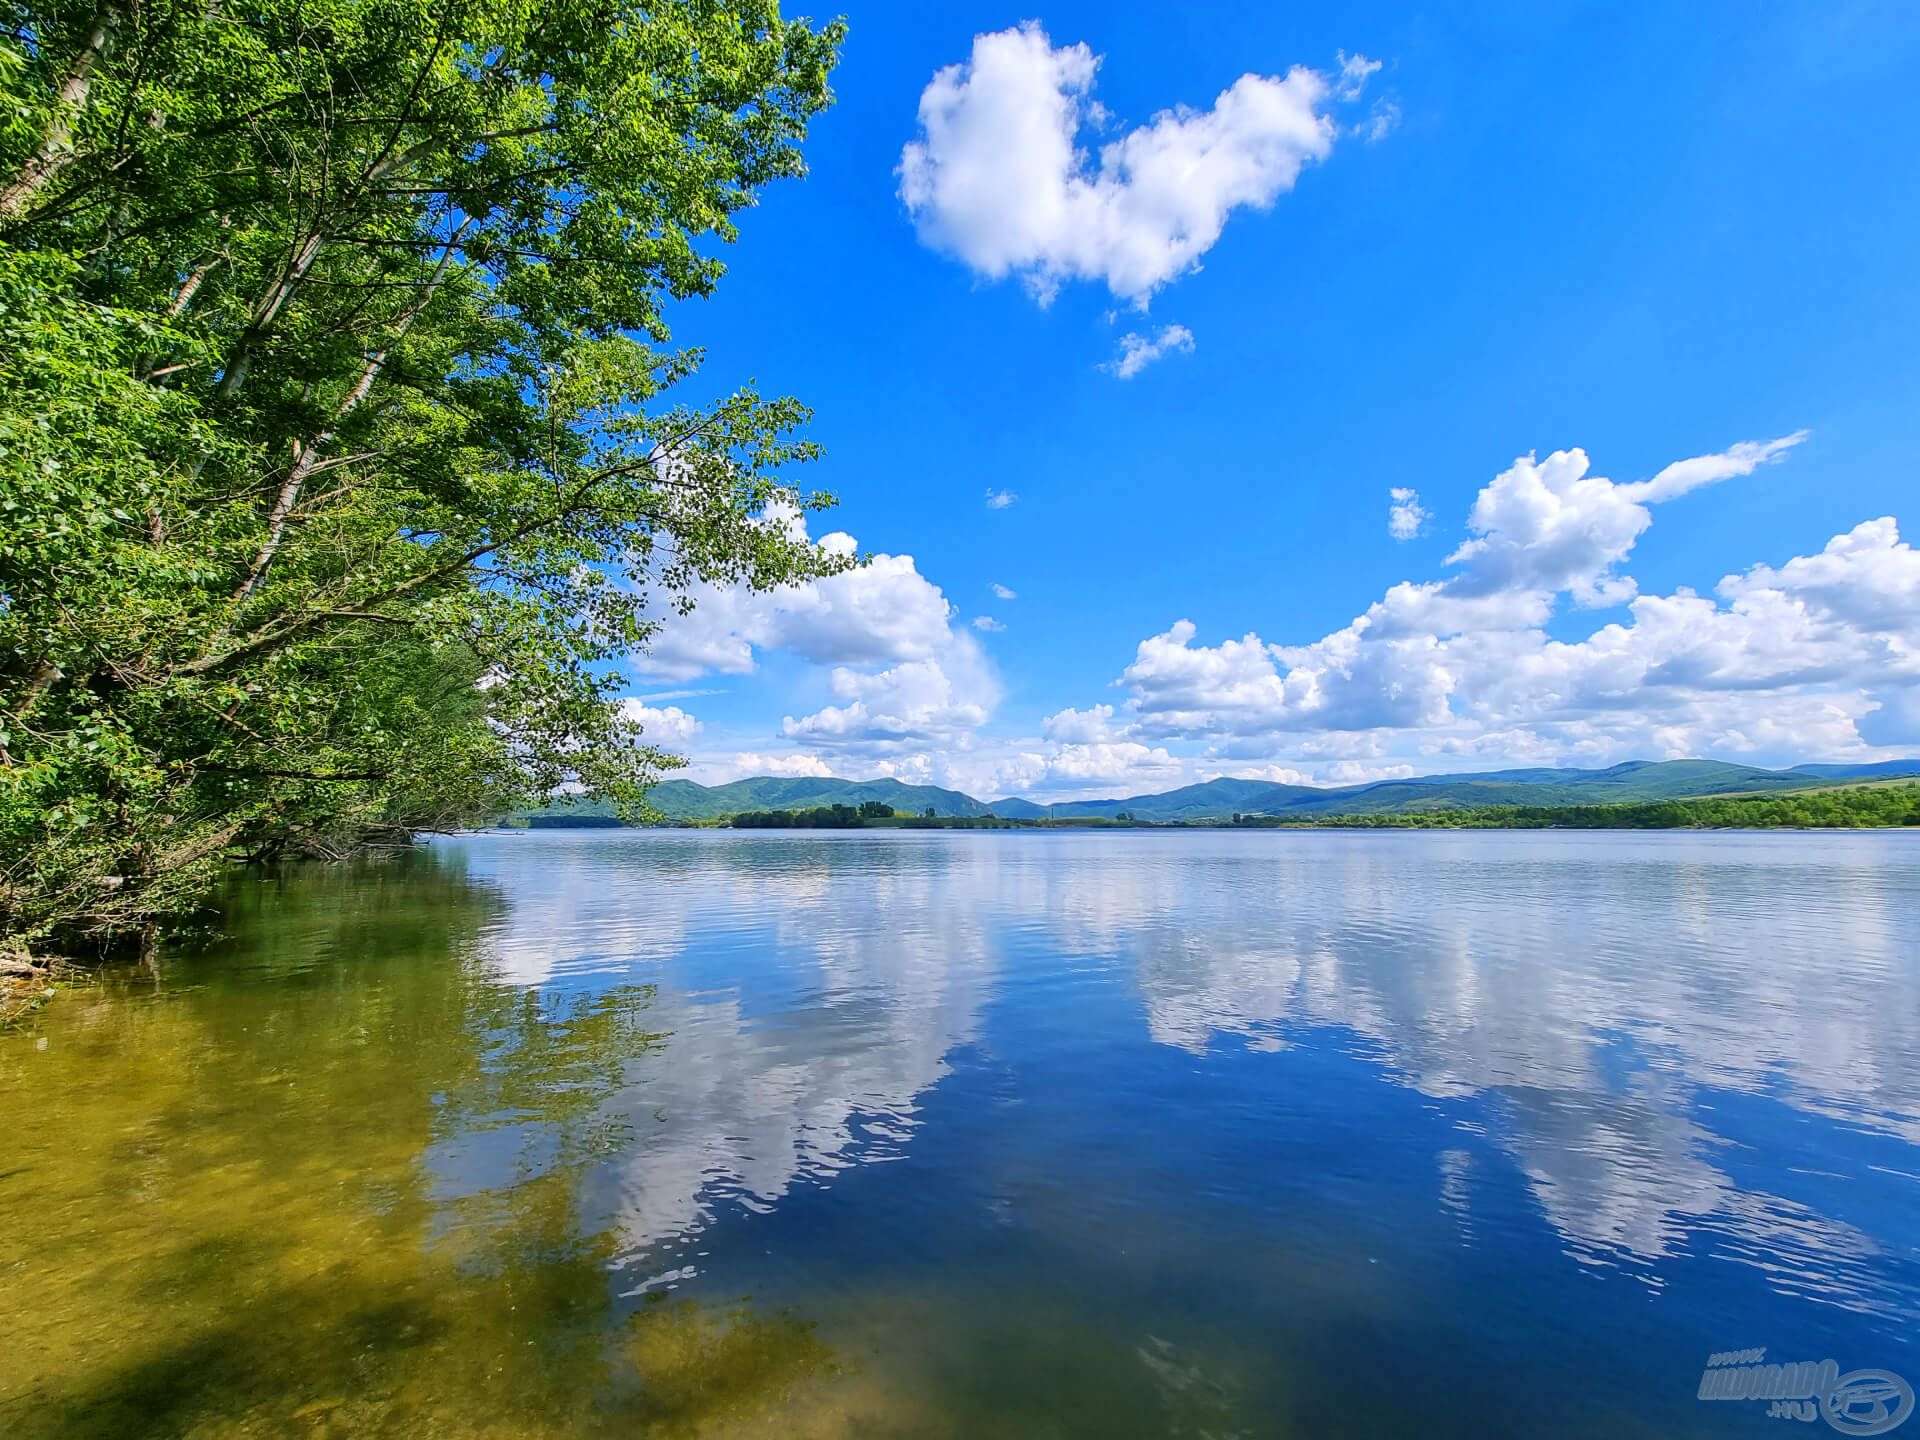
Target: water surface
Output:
{"points": [[980, 1133]]}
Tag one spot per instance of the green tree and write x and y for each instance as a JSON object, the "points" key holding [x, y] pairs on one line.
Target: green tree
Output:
{"points": [[341, 463]]}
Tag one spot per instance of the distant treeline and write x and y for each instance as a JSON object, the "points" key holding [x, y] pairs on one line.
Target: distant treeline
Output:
{"points": [[872, 814], [1850, 807], [821, 817], [1857, 807]]}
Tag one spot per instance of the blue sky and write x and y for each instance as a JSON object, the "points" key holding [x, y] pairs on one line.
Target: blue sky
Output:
{"points": [[1363, 249]]}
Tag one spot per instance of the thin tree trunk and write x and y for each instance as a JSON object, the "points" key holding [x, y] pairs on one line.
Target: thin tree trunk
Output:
{"points": [[191, 286], [240, 363], [265, 313], [55, 150], [308, 456]]}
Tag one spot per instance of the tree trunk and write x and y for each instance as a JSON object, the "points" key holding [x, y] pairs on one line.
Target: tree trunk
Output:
{"points": [[308, 455], [55, 150]]}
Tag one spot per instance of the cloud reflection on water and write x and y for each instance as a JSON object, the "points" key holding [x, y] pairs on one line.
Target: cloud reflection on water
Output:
{"points": [[1588, 994]]}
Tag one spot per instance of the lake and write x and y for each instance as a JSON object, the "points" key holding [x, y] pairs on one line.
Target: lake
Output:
{"points": [[970, 1134]]}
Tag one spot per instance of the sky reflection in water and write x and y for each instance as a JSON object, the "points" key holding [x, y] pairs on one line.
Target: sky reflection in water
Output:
{"points": [[1261, 1134]]}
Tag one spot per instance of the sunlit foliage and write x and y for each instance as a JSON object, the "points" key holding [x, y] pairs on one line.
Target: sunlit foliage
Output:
{"points": [[340, 461]]}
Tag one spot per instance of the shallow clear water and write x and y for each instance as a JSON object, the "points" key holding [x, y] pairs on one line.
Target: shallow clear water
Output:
{"points": [[991, 1133]]}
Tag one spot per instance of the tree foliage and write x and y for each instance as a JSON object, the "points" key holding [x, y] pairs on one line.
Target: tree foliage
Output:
{"points": [[818, 817], [342, 460]]}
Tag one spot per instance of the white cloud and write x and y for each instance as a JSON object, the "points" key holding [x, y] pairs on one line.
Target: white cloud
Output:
{"points": [[1275, 773], [920, 702], [884, 610], [1820, 655], [1684, 475], [1084, 750], [1405, 516], [1001, 592], [667, 726], [997, 176], [1549, 526], [1381, 122], [905, 675], [1181, 687], [1139, 351], [1000, 499], [1124, 765], [717, 767], [1358, 772], [1072, 726], [1867, 577], [1814, 656], [1355, 71], [987, 625]]}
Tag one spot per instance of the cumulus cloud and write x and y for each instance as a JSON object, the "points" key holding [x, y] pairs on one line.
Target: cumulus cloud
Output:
{"points": [[1183, 687], [1139, 351], [718, 768], [1277, 774], [1000, 499], [1080, 726], [1086, 749], [998, 178], [1867, 578], [1405, 515], [1549, 526], [987, 625], [1125, 765], [884, 610], [1818, 655], [904, 673], [667, 726], [1001, 592], [937, 700]]}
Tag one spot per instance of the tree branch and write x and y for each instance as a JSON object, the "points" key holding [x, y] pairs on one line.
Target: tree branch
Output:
{"points": [[307, 459], [55, 150]]}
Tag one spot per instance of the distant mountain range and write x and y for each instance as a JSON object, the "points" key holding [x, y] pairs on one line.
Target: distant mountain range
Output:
{"points": [[1636, 780], [684, 800]]}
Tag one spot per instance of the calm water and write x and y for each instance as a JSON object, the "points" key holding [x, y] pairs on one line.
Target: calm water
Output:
{"points": [[981, 1134]]}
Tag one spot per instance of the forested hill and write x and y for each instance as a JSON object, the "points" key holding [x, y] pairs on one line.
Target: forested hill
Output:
{"points": [[685, 800], [1635, 782]]}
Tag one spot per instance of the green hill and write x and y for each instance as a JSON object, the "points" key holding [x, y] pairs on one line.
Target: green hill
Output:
{"points": [[1189, 802], [1636, 782], [1638, 779], [1885, 769], [686, 800], [1859, 804]]}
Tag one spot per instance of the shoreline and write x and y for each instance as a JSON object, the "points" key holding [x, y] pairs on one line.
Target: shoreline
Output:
{"points": [[1214, 827]]}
